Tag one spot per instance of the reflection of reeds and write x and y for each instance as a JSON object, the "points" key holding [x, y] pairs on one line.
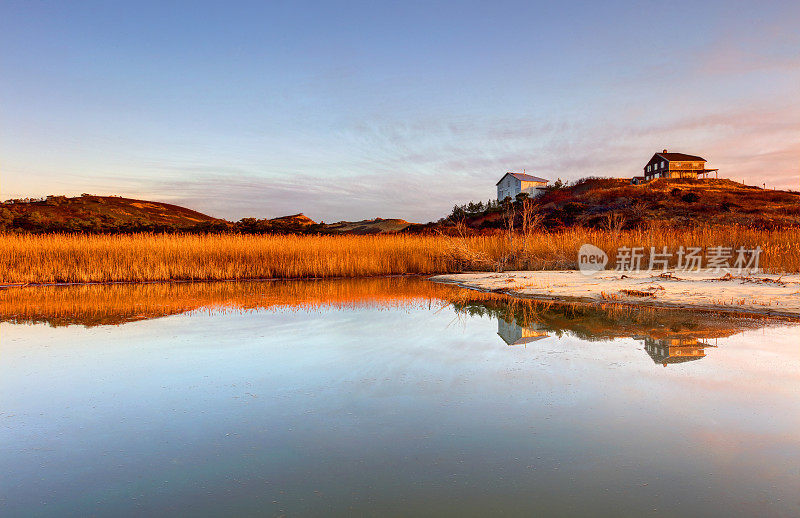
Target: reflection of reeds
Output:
{"points": [[105, 304], [105, 258], [98, 304]]}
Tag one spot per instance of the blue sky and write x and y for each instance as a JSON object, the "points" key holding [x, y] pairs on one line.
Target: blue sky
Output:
{"points": [[353, 110]]}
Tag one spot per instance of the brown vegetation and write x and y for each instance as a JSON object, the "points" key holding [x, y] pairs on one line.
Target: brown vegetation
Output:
{"points": [[65, 258], [90, 213], [607, 203], [369, 226], [613, 204]]}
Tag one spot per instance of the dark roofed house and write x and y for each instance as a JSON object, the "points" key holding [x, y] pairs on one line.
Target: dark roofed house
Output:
{"points": [[512, 184], [674, 350], [673, 165]]}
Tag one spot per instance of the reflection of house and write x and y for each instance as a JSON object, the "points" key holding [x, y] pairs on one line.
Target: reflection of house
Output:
{"points": [[514, 334], [674, 350]]}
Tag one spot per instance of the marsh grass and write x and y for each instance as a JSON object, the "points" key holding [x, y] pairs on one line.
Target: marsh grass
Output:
{"points": [[77, 258]]}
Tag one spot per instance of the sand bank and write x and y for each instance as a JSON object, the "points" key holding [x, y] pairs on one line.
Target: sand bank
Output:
{"points": [[776, 295]]}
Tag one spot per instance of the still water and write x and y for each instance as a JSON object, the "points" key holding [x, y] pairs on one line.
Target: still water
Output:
{"points": [[387, 397]]}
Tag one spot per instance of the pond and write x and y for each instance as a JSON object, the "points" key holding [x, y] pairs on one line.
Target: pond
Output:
{"points": [[389, 396]]}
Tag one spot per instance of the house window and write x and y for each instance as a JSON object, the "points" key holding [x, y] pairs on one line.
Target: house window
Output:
{"points": [[648, 169]]}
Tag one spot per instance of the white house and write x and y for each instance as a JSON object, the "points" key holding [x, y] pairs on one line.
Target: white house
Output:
{"points": [[514, 334], [512, 184]]}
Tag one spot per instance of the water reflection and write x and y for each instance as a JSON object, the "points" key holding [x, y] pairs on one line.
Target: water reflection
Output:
{"points": [[514, 334], [386, 397], [675, 350], [519, 321], [668, 337], [115, 304], [663, 350]]}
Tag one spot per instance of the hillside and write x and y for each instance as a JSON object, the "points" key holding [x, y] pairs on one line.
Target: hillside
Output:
{"points": [[368, 226], [593, 202], [99, 213], [91, 213], [614, 202], [300, 220]]}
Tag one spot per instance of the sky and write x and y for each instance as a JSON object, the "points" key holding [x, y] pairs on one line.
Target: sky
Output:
{"points": [[356, 110]]}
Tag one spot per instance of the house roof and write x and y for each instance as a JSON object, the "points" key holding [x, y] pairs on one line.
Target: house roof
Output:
{"points": [[677, 157], [524, 339], [522, 177], [673, 359], [529, 339]]}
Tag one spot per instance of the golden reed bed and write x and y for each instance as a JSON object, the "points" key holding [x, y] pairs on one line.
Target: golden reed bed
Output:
{"points": [[60, 258]]}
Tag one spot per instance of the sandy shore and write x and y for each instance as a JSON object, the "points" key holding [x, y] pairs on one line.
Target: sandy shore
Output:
{"points": [[775, 295]]}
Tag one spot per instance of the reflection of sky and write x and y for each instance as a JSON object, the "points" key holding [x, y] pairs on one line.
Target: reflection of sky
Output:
{"points": [[386, 410], [344, 111]]}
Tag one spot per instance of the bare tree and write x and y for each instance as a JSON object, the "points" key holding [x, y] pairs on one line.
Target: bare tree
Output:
{"points": [[509, 215], [531, 220]]}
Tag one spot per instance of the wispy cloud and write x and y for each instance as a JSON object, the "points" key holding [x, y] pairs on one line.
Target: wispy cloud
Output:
{"points": [[414, 197], [418, 169], [350, 124]]}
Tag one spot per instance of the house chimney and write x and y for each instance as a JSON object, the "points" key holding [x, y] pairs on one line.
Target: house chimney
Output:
{"points": [[664, 151]]}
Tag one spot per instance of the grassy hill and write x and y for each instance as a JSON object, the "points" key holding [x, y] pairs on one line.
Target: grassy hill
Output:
{"points": [[368, 226], [592, 202], [99, 213], [91, 213], [614, 202], [300, 220]]}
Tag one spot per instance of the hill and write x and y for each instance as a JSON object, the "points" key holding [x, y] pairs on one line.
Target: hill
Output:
{"points": [[368, 226], [300, 220], [614, 202], [609, 203], [89, 213], [99, 213]]}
